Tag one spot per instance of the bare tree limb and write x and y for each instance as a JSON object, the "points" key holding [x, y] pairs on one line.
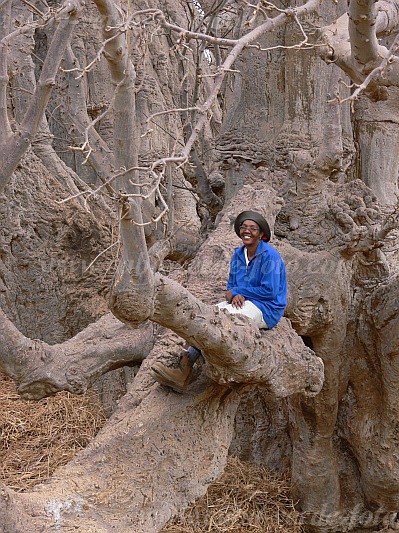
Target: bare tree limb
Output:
{"points": [[276, 356], [351, 41], [134, 473], [5, 20], [365, 48], [20, 141], [134, 274], [40, 369]]}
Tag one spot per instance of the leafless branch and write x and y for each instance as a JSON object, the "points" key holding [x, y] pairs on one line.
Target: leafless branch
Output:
{"points": [[102, 253], [168, 111], [97, 58], [375, 73], [108, 181], [303, 44], [365, 49], [21, 140], [5, 22], [34, 9]]}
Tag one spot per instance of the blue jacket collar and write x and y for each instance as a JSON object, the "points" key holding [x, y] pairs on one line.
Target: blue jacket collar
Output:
{"points": [[262, 247]]}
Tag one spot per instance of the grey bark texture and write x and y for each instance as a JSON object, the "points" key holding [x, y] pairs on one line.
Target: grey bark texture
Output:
{"points": [[323, 383]]}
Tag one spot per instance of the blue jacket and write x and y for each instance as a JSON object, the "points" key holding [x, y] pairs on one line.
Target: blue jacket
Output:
{"points": [[264, 282]]}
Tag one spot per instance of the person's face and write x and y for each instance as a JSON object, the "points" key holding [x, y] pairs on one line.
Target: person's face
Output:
{"points": [[250, 233]]}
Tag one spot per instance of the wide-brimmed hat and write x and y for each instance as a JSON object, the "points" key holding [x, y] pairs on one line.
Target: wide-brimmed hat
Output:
{"points": [[256, 217]]}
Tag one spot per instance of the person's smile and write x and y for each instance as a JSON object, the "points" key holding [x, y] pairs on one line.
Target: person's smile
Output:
{"points": [[247, 238]]}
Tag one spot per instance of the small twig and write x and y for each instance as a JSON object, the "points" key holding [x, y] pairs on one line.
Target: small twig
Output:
{"points": [[101, 253], [34, 8], [91, 192], [97, 58], [218, 72], [257, 9], [174, 110]]}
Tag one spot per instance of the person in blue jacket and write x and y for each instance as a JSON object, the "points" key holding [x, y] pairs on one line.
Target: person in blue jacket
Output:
{"points": [[257, 288], [257, 285]]}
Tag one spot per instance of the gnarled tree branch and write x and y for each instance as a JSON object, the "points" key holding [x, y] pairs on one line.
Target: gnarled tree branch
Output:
{"points": [[234, 348], [40, 369], [365, 48], [351, 41], [14, 148], [5, 19]]}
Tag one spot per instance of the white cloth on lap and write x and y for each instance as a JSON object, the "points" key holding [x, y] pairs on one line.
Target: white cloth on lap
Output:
{"points": [[248, 309]]}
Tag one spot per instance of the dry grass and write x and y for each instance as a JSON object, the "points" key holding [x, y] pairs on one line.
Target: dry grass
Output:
{"points": [[245, 498], [38, 437]]}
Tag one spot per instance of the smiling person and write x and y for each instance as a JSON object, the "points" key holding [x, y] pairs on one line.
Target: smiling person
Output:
{"points": [[257, 288], [257, 285]]}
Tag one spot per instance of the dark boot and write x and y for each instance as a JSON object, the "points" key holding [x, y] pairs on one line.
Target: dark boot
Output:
{"points": [[175, 378]]}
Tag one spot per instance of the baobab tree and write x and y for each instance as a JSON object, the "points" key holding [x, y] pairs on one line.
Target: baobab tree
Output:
{"points": [[328, 369]]}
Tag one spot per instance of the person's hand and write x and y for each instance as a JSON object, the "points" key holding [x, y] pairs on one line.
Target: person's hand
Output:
{"points": [[229, 296], [238, 301]]}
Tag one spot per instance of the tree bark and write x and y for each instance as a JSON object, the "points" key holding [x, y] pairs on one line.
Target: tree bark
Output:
{"points": [[40, 369], [135, 494], [5, 24], [342, 302], [14, 148]]}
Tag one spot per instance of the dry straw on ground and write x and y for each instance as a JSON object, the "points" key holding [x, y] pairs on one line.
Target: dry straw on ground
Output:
{"points": [[245, 498], [38, 437]]}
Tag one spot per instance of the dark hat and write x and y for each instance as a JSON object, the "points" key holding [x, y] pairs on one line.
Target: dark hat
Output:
{"points": [[256, 217]]}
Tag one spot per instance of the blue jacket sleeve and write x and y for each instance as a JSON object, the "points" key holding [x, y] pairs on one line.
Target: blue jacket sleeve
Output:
{"points": [[231, 280]]}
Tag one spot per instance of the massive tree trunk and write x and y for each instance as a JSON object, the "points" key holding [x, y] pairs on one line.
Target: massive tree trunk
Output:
{"points": [[151, 419], [283, 151]]}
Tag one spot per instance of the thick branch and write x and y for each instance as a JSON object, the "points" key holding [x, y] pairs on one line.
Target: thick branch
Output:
{"points": [[364, 44], [21, 140], [133, 283], [387, 17], [123, 74], [23, 84], [351, 42], [152, 462], [234, 348], [14, 348], [5, 19], [41, 370]]}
